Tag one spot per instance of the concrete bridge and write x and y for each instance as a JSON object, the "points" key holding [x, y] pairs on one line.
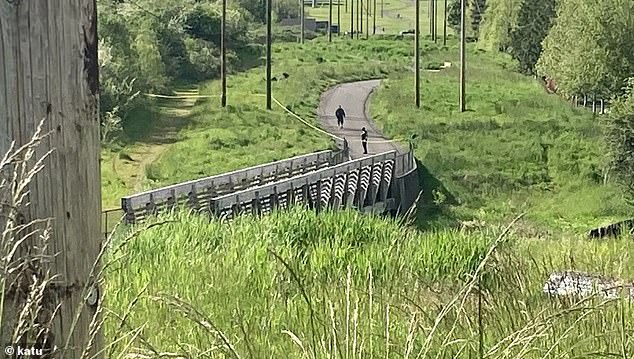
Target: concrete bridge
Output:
{"points": [[380, 183]]}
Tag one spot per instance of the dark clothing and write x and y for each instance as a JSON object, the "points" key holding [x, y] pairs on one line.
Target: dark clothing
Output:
{"points": [[364, 141], [340, 113]]}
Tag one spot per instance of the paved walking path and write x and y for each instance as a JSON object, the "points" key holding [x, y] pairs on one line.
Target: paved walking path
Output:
{"points": [[353, 97]]}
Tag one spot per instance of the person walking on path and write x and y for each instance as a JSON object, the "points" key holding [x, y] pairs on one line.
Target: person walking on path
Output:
{"points": [[364, 140], [340, 114]]}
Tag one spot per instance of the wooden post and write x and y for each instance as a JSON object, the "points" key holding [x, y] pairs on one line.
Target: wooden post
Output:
{"points": [[352, 19], [381, 9], [463, 31], [330, 21], [444, 31], [367, 19], [361, 17], [435, 20], [358, 12], [49, 71], [417, 54], [338, 18], [223, 54], [302, 20], [374, 18], [269, 19], [594, 103]]}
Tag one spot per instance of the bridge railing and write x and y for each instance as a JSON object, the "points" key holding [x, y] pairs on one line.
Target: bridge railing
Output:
{"points": [[197, 193], [366, 174]]}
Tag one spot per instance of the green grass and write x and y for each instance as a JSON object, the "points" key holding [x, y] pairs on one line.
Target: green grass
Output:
{"points": [[515, 149], [278, 286], [257, 278], [246, 134]]}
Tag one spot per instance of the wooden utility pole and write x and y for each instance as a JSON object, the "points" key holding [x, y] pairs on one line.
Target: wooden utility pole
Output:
{"points": [[435, 20], [358, 12], [352, 19], [381, 9], [374, 18], [269, 20], [361, 17], [338, 18], [417, 54], [49, 71], [367, 19], [301, 19], [330, 21], [444, 31], [463, 32], [223, 54]]}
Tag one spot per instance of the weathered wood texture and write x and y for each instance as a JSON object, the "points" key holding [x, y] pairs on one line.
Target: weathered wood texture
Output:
{"points": [[49, 70]]}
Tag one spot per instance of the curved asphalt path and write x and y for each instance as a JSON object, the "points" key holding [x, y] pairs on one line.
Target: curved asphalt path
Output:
{"points": [[353, 97]]}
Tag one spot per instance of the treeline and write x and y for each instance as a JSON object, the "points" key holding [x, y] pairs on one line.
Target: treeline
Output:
{"points": [[586, 47], [148, 45]]}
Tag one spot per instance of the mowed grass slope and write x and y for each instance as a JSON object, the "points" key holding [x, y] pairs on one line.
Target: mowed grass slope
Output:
{"points": [[246, 134], [301, 285], [515, 149]]}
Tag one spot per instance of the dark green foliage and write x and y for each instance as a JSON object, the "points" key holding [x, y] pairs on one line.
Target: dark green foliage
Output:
{"points": [[619, 127], [453, 15], [477, 7], [590, 48], [535, 20], [148, 45]]}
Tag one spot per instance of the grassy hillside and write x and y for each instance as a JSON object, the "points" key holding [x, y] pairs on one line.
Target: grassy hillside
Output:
{"points": [[515, 149], [299, 285], [212, 140]]}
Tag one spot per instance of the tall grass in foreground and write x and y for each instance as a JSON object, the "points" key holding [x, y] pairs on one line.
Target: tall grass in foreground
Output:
{"points": [[299, 285]]}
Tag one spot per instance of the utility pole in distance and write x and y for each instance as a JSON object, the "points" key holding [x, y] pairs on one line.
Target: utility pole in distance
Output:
{"points": [[358, 12], [301, 19], [374, 19], [330, 21], [351, 19], [444, 32], [223, 54], [338, 17], [361, 17], [435, 20], [417, 54], [462, 54], [269, 20], [50, 71], [367, 19]]}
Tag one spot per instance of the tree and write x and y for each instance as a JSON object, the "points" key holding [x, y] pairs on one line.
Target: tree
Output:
{"points": [[477, 8], [534, 22], [590, 48], [453, 15], [619, 130], [500, 19]]}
